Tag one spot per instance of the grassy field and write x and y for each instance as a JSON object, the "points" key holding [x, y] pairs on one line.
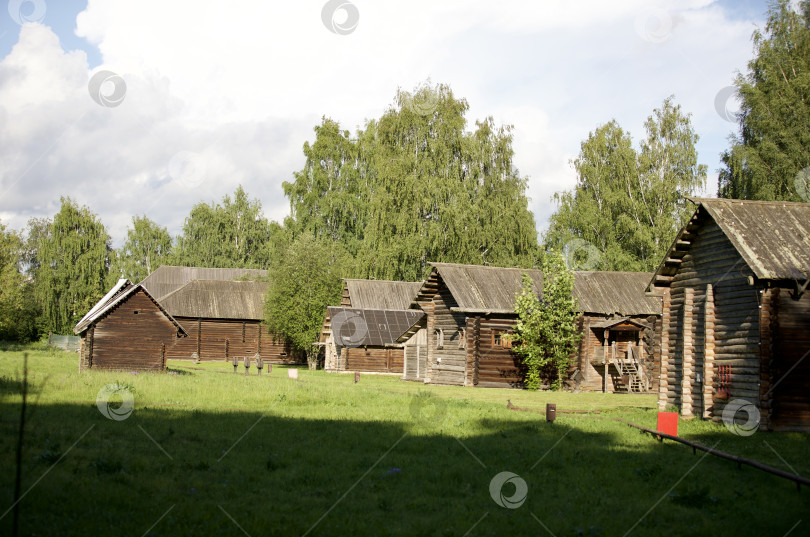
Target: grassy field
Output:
{"points": [[208, 452]]}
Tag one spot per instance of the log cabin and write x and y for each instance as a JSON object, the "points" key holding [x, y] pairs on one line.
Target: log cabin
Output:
{"points": [[736, 313], [469, 309], [386, 304], [127, 330]]}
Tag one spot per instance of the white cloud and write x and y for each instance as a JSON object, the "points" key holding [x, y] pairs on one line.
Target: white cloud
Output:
{"points": [[242, 85]]}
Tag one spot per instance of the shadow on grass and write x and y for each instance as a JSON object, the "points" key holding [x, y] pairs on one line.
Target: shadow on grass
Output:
{"points": [[176, 472]]}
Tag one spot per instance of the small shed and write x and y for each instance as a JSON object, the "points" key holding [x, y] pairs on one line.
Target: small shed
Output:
{"points": [[375, 296], [470, 308], [367, 339], [127, 330], [736, 313]]}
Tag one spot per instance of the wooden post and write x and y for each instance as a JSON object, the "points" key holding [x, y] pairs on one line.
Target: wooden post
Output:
{"points": [[259, 340], [476, 350], [688, 354], [163, 355], [768, 327], [663, 373], [199, 337], [605, 358], [226, 349], [708, 354]]}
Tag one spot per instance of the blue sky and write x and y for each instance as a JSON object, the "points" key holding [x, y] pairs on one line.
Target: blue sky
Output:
{"points": [[219, 94]]}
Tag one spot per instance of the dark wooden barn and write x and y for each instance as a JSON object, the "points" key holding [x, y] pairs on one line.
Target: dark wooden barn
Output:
{"points": [[225, 319], [736, 314], [127, 330], [383, 304], [470, 309]]}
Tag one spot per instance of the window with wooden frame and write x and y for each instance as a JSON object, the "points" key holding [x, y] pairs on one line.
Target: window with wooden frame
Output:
{"points": [[439, 333], [462, 338], [500, 339]]}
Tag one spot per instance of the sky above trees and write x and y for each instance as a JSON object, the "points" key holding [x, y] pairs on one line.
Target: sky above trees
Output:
{"points": [[219, 95]]}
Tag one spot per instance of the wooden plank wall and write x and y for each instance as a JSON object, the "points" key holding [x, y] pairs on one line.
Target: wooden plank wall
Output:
{"points": [[131, 337], [373, 359], [790, 370], [712, 259], [243, 340], [415, 356]]}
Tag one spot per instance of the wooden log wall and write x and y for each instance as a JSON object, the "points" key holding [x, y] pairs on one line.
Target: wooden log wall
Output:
{"points": [[207, 337], [498, 366], [708, 353], [712, 259], [131, 336], [448, 364], [663, 368]]}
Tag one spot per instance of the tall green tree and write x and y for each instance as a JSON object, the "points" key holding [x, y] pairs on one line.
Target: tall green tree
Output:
{"points": [[147, 246], [303, 281], [232, 234], [73, 261], [11, 282], [415, 186], [546, 334], [772, 148], [627, 204]]}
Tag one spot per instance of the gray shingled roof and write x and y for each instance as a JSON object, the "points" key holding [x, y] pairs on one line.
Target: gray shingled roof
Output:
{"points": [[167, 278], [772, 236], [478, 288], [381, 294], [216, 299], [120, 291], [354, 327]]}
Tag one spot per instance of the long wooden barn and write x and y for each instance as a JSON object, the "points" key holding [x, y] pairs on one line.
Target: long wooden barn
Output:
{"points": [[470, 309], [127, 330], [370, 321], [224, 319], [736, 313]]}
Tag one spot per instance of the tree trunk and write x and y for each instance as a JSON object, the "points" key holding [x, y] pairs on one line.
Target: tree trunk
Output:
{"points": [[312, 359]]}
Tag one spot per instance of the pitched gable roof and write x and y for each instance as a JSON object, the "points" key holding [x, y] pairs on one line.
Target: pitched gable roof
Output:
{"points": [[217, 299], [478, 288], [120, 292], [166, 279], [772, 237], [380, 294]]}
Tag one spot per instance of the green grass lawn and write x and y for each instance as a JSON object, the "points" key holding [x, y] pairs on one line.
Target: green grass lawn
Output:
{"points": [[208, 452]]}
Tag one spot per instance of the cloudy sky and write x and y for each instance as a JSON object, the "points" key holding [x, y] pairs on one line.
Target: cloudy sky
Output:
{"points": [[191, 99]]}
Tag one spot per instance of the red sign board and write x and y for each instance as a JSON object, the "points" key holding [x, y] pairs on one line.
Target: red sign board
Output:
{"points": [[668, 423]]}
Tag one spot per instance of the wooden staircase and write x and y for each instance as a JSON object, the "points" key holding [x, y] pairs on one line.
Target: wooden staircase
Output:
{"points": [[631, 375]]}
